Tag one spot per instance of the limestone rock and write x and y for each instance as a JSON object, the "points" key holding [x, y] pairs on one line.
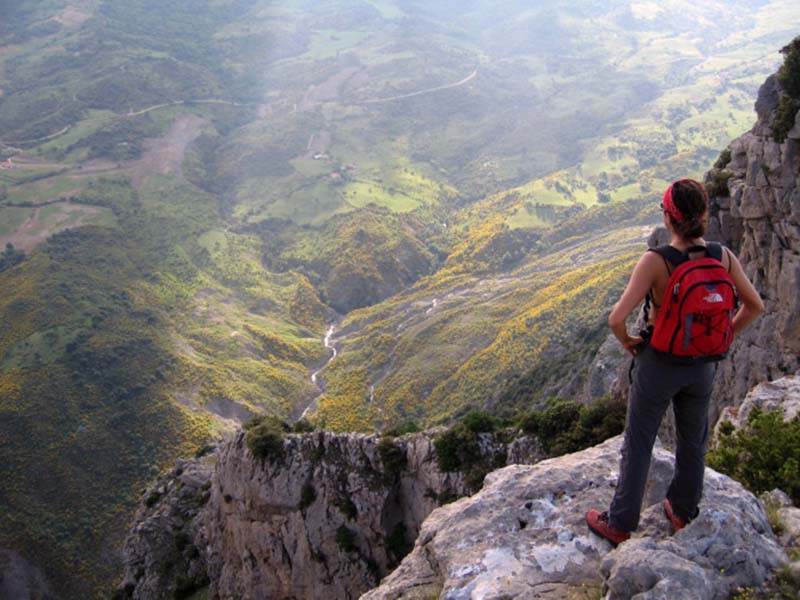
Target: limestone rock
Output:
{"points": [[162, 554], [760, 220], [604, 369], [786, 515], [327, 517], [782, 394], [524, 536]]}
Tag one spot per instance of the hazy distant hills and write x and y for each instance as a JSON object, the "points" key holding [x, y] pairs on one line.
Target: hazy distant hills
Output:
{"points": [[201, 188]]}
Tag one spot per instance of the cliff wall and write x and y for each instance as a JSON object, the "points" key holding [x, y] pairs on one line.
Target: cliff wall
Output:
{"points": [[759, 218], [328, 516]]}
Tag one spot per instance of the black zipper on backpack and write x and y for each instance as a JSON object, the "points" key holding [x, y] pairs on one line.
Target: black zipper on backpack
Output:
{"points": [[686, 295]]}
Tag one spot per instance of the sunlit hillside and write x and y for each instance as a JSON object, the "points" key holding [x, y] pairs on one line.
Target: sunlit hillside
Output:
{"points": [[193, 192]]}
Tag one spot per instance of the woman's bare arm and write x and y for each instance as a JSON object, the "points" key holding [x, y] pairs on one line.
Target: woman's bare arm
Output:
{"points": [[642, 279], [752, 305]]}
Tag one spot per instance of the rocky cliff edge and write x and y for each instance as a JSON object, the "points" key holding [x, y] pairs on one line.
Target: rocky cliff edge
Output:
{"points": [[331, 517], [523, 536]]}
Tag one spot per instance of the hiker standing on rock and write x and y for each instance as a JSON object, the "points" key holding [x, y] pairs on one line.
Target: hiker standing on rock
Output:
{"points": [[692, 291]]}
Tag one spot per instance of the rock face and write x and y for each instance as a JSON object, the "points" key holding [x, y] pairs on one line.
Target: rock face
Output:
{"points": [[524, 536], [317, 522], [328, 517], [760, 221], [162, 556], [783, 394], [788, 517]]}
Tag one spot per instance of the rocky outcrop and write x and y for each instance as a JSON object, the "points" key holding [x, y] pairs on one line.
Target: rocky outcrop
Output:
{"points": [[782, 394], [787, 517], [760, 220], [524, 536], [163, 552], [328, 516]]}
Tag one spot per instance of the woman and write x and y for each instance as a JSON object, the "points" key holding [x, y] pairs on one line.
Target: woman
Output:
{"points": [[658, 380]]}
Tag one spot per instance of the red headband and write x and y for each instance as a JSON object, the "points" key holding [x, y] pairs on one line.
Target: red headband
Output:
{"points": [[669, 204]]}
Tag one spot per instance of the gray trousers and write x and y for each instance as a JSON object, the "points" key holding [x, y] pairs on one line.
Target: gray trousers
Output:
{"points": [[656, 382]]}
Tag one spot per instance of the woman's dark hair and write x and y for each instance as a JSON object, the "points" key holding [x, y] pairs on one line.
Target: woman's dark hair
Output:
{"points": [[690, 198]]}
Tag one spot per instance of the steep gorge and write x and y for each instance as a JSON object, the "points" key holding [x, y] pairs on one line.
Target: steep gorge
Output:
{"points": [[317, 519]]}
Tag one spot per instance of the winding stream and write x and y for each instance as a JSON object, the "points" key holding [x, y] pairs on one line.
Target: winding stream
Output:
{"points": [[328, 345]]}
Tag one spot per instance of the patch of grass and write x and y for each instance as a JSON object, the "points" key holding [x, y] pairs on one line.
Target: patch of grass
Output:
{"points": [[303, 426], [403, 429], [326, 43], [11, 218], [45, 190]]}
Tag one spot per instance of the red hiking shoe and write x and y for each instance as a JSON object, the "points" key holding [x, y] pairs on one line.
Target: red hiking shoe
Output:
{"points": [[677, 522], [598, 522]]}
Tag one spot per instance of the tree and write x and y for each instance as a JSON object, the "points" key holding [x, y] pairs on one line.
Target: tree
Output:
{"points": [[10, 257], [789, 73]]}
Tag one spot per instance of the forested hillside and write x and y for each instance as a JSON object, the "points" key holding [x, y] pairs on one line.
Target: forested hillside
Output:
{"points": [[191, 193]]}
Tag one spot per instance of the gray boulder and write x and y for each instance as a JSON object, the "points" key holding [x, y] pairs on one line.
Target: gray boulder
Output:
{"points": [[524, 536], [782, 394]]}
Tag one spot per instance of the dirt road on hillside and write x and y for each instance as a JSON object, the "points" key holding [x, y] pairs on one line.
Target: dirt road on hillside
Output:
{"points": [[467, 79]]}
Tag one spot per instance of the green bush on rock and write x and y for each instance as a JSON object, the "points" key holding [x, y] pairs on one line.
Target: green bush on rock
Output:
{"points": [[264, 437], [763, 455], [789, 78], [392, 456], [785, 118], [459, 448], [789, 73], [567, 426]]}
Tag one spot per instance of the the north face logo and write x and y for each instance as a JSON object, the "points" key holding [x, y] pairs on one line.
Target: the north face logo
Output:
{"points": [[713, 298]]}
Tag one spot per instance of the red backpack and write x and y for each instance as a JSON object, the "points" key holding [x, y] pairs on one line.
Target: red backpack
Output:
{"points": [[695, 321]]}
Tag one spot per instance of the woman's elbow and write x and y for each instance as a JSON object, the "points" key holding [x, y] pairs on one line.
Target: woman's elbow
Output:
{"points": [[758, 307], [754, 304], [615, 320]]}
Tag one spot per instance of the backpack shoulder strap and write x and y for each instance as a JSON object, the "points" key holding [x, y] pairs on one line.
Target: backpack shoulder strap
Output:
{"points": [[714, 250], [672, 256]]}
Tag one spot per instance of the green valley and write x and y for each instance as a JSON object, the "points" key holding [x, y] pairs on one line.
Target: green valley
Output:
{"points": [[191, 193]]}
